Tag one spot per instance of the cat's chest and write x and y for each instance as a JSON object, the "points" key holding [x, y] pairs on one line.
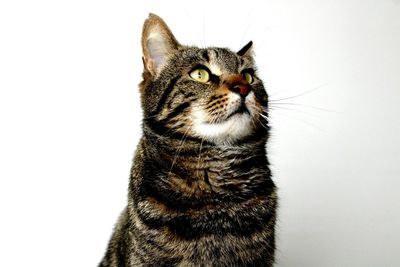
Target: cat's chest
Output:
{"points": [[211, 250], [211, 178], [205, 182], [218, 220]]}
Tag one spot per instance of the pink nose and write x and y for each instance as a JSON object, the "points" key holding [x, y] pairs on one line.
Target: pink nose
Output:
{"points": [[242, 89]]}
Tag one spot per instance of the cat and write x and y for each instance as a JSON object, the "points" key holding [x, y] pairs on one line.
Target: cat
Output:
{"points": [[200, 191]]}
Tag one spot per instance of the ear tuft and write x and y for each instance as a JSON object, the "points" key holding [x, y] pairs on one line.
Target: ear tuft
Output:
{"points": [[246, 50], [158, 43]]}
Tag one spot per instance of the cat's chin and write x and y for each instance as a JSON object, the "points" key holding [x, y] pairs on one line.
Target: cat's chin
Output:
{"points": [[236, 127]]}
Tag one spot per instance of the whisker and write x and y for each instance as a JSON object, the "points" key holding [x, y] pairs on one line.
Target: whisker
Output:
{"points": [[308, 106], [298, 95], [303, 121], [264, 116], [258, 118], [279, 92], [172, 131], [149, 117], [293, 109], [198, 160], [215, 117], [183, 140]]}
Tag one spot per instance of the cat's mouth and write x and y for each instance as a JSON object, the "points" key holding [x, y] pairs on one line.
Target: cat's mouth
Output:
{"points": [[228, 126], [242, 109]]}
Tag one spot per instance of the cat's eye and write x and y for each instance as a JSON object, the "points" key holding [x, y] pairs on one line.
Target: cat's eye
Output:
{"points": [[249, 78], [200, 75]]}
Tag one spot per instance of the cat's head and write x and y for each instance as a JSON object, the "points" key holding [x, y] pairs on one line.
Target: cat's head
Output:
{"points": [[212, 94]]}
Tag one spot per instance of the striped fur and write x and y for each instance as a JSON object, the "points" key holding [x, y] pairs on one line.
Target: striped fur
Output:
{"points": [[200, 191]]}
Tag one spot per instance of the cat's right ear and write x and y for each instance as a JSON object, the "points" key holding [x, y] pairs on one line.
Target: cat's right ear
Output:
{"points": [[246, 50], [158, 43]]}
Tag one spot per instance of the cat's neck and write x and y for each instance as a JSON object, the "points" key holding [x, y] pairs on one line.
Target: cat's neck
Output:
{"points": [[202, 172], [181, 149], [185, 156]]}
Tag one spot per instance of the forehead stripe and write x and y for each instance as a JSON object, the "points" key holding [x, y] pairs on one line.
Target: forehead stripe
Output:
{"points": [[205, 56], [166, 93]]}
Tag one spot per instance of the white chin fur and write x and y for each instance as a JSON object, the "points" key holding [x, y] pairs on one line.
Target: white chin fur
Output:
{"points": [[233, 129]]}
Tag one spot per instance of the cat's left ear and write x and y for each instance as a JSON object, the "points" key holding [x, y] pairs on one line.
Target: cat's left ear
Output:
{"points": [[158, 44], [247, 50]]}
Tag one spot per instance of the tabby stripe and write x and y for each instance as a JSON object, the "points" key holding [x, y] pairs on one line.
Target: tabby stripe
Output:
{"points": [[249, 164], [217, 101], [148, 240], [174, 200], [160, 129], [147, 245], [243, 223], [214, 97], [177, 92], [205, 56], [216, 53], [213, 108], [166, 93], [178, 110]]}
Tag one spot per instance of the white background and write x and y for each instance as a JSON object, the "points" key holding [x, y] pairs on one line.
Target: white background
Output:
{"points": [[70, 121]]}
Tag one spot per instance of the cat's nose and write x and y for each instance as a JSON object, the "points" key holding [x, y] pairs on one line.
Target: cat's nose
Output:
{"points": [[241, 89]]}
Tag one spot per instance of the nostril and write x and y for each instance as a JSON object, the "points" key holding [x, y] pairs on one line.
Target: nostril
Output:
{"points": [[242, 90], [236, 89]]}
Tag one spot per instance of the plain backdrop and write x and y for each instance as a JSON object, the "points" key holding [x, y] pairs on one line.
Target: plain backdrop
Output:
{"points": [[70, 121]]}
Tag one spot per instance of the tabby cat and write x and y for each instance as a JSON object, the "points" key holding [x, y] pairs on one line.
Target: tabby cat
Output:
{"points": [[200, 191]]}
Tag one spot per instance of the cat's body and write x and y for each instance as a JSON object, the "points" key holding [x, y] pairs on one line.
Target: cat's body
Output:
{"points": [[200, 192]]}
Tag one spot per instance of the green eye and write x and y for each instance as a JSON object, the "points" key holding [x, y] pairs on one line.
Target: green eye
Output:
{"points": [[249, 78], [200, 75]]}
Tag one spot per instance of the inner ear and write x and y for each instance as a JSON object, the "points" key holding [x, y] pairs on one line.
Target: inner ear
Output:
{"points": [[158, 44], [246, 50]]}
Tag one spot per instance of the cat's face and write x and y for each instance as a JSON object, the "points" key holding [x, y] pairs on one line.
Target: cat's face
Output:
{"points": [[212, 94]]}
